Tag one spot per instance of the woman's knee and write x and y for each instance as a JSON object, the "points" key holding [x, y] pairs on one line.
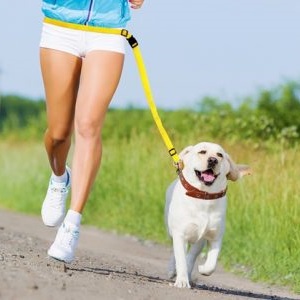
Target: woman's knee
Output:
{"points": [[58, 136], [87, 128]]}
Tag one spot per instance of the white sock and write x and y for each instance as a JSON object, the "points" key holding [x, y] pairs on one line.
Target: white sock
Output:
{"points": [[73, 217], [61, 178]]}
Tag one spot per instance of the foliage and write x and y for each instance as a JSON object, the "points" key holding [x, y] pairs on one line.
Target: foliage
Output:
{"points": [[22, 117], [272, 116]]}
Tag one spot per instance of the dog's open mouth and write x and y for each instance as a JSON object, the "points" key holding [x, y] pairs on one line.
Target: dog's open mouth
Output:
{"points": [[207, 177]]}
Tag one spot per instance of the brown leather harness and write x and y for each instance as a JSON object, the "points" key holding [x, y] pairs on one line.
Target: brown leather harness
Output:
{"points": [[196, 193]]}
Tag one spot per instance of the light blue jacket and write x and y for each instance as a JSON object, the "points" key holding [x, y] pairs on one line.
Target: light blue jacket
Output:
{"points": [[102, 13]]}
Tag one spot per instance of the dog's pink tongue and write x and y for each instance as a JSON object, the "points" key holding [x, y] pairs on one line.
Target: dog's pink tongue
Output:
{"points": [[208, 177]]}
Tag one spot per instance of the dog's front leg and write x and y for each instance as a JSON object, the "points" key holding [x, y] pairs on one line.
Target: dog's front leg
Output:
{"points": [[212, 257], [172, 267], [194, 252], [179, 246]]}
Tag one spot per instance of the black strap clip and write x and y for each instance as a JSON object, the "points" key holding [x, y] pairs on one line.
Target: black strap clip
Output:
{"points": [[132, 41]]}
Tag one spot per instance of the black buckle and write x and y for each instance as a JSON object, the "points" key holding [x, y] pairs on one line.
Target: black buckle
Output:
{"points": [[132, 41]]}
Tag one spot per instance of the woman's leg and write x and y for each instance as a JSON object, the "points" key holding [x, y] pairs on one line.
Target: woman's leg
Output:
{"points": [[100, 75], [61, 74]]}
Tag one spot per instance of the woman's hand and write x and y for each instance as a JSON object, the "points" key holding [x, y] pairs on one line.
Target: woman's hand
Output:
{"points": [[135, 4]]}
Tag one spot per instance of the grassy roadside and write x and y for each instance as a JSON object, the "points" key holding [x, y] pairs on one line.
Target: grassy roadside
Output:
{"points": [[263, 224]]}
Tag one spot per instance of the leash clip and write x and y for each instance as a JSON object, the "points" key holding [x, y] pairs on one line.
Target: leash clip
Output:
{"points": [[179, 166]]}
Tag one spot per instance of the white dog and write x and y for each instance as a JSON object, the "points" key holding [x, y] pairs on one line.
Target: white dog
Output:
{"points": [[196, 208]]}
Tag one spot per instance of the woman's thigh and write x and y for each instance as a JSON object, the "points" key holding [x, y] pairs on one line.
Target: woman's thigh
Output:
{"points": [[100, 75], [61, 75]]}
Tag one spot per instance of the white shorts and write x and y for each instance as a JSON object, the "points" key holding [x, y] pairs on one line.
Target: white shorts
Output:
{"points": [[78, 42]]}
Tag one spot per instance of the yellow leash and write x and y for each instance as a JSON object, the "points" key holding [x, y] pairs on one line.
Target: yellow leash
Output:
{"points": [[142, 71]]}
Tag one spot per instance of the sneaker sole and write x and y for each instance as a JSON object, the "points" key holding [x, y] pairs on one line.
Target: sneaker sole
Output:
{"points": [[58, 255], [53, 224]]}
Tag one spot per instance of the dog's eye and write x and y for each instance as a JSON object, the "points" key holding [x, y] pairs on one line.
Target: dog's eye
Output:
{"points": [[202, 152], [220, 154]]}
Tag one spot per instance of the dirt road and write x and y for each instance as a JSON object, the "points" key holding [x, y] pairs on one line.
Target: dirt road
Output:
{"points": [[107, 266]]}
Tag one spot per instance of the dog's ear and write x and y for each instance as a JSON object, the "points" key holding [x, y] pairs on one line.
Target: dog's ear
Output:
{"points": [[237, 171], [185, 151], [180, 164]]}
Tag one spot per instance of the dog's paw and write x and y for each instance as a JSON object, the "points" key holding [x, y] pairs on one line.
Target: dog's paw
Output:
{"points": [[182, 283], [204, 270]]}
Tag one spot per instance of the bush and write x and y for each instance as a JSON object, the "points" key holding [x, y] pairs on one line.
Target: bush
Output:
{"points": [[272, 115]]}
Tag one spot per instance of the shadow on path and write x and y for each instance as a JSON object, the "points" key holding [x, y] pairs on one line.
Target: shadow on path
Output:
{"points": [[146, 278]]}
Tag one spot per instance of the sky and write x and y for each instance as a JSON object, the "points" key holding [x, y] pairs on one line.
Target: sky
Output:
{"points": [[229, 49]]}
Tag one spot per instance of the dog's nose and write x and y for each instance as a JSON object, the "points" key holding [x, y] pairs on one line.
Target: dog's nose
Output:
{"points": [[211, 162]]}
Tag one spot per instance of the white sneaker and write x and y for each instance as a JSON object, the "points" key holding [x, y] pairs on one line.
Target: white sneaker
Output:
{"points": [[65, 242], [54, 205]]}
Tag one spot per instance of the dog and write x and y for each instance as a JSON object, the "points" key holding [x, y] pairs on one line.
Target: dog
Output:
{"points": [[195, 208]]}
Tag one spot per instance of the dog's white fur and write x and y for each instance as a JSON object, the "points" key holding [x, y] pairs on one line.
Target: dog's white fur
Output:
{"points": [[192, 221]]}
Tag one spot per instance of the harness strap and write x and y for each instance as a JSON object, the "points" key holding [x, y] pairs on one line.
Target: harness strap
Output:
{"points": [[142, 71]]}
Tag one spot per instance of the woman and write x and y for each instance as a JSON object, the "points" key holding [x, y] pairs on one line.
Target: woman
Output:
{"points": [[81, 71]]}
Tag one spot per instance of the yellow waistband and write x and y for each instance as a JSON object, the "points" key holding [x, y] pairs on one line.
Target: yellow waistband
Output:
{"points": [[86, 27]]}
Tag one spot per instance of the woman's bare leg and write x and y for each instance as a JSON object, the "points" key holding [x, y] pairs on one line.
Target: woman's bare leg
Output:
{"points": [[100, 75], [61, 74]]}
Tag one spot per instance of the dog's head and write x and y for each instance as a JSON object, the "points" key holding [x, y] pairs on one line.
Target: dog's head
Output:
{"points": [[208, 165]]}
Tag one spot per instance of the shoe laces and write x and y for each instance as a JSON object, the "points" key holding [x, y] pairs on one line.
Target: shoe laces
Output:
{"points": [[70, 236], [57, 195]]}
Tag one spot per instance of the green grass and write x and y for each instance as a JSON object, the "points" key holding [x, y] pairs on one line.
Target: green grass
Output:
{"points": [[24, 176], [262, 238]]}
